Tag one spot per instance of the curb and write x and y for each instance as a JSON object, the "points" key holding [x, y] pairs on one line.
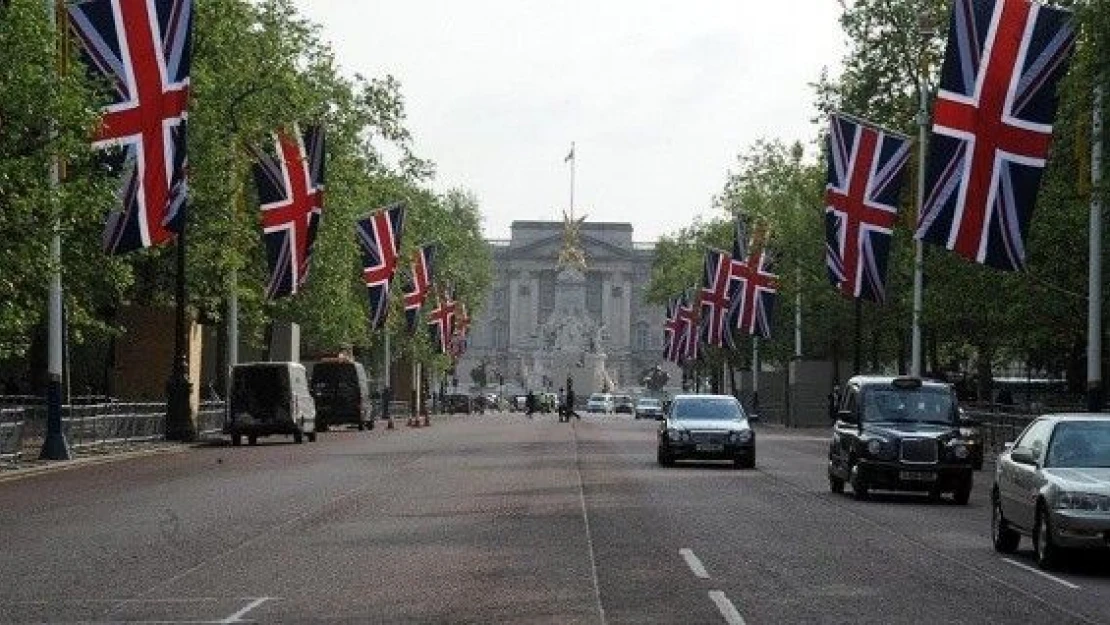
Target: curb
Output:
{"points": [[12, 475]]}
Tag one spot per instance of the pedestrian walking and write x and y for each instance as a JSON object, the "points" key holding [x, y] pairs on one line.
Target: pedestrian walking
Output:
{"points": [[530, 404]]}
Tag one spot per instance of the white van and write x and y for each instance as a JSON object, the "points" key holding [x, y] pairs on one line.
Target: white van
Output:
{"points": [[270, 398], [600, 402]]}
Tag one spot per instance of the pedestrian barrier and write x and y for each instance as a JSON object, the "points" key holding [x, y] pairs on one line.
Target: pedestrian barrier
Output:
{"points": [[998, 428], [210, 420], [11, 435], [94, 426]]}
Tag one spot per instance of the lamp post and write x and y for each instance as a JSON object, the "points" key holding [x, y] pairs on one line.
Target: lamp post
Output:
{"points": [[1094, 274], [925, 31]]}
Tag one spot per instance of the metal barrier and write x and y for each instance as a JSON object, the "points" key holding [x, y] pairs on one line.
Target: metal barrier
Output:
{"points": [[998, 428], [97, 425], [210, 419], [11, 434]]}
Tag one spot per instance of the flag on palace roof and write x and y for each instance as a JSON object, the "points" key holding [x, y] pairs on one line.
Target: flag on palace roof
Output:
{"points": [[141, 51], [866, 173], [992, 127]]}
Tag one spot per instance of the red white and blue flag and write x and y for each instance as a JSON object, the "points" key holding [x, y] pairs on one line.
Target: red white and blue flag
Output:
{"points": [[419, 284], [460, 338], [992, 127], [672, 331], [866, 173], [716, 274], [755, 287], [290, 182], [141, 50], [441, 322], [379, 236], [689, 345]]}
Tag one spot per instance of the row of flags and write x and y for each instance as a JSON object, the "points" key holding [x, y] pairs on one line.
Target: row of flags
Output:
{"points": [[142, 50], [737, 294], [992, 127]]}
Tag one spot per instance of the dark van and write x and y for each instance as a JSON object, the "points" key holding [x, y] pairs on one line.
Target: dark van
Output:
{"points": [[342, 394]]}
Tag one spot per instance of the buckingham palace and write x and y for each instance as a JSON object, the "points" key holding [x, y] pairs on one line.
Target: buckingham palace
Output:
{"points": [[549, 317]]}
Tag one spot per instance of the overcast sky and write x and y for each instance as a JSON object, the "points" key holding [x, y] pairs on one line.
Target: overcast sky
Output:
{"points": [[658, 95]]}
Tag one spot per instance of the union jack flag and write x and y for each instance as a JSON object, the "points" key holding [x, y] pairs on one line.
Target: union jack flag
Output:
{"points": [[756, 287], [379, 235], [992, 127], [867, 167], [672, 331], [715, 297], [460, 337], [141, 49], [441, 322], [419, 284], [689, 345], [290, 184]]}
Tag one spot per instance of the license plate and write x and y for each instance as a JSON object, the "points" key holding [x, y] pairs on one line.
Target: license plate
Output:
{"points": [[917, 476], [709, 447]]}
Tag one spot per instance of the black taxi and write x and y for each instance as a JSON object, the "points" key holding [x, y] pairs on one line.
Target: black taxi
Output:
{"points": [[899, 433]]}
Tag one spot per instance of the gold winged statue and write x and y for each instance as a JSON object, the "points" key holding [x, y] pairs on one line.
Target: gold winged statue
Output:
{"points": [[572, 255]]}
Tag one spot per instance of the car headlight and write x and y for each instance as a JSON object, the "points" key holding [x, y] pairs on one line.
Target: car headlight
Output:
{"points": [[878, 448], [960, 451], [676, 435], [741, 436], [1088, 502]]}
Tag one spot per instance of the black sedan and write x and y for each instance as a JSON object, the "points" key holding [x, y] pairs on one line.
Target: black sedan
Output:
{"points": [[707, 427]]}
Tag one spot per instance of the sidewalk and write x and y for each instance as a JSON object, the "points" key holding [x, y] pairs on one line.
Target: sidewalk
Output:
{"points": [[31, 465]]}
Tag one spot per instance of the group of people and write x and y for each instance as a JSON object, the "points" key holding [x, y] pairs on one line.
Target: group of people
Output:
{"points": [[565, 407]]}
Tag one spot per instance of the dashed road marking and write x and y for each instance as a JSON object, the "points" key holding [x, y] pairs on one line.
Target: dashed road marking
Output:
{"points": [[1062, 582], [694, 563], [729, 611], [236, 618]]}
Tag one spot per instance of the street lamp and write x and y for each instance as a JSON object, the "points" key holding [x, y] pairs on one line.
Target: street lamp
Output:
{"points": [[925, 31]]}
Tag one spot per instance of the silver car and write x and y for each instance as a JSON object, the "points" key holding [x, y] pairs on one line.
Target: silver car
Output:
{"points": [[1053, 485]]}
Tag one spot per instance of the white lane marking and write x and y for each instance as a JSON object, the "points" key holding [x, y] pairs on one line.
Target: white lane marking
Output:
{"points": [[694, 563], [729, 611], [1020, 565], [235, 618], [589, 535]]}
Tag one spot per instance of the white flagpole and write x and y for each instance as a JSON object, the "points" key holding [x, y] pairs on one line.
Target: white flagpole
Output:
{"points": [[54, 446], [925, 30], [573, 157], [1094, 275], [755, 375]]}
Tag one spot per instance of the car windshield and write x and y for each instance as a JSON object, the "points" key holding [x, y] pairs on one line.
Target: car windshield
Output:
{"points": [[648, 403], [1080, 445], [702, 409], [918, 405]]}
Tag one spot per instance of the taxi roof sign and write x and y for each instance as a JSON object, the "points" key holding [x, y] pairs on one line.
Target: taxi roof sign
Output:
{"points": [[906, 382]]}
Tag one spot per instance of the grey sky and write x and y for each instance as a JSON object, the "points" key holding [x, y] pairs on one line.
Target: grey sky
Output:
{"points": [[659, 96]]}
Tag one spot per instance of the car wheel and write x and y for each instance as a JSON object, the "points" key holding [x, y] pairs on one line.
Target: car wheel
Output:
{"points": [[311, 437], [236, 440], [745, 462], [962, 494], [1004, 537], [298, 436], [1044, 550], [859, 485], [361, 426], [836, 485], [664, 458]]}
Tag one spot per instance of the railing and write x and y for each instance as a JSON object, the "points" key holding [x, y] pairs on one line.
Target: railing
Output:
{"points": [[11, 434], [210, 419], [998, 425], [98, 425]]}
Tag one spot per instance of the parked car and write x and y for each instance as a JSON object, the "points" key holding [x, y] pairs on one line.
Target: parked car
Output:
{"points": [[623, 404], [342, 394], [270, 398], [899, 433], [649, 408], [457, 403], [600, 402], [707, 427], [1053, 485]]}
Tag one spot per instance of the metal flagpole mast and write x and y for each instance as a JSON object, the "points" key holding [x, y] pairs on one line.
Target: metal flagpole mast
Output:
{"points": [[755, 375], [924, 30], [1094, 275], [54, 445], [798, 315], [572, 158], [387, 391]]}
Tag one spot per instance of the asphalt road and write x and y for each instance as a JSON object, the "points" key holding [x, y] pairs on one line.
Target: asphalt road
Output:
{"points": [[497, 518]]}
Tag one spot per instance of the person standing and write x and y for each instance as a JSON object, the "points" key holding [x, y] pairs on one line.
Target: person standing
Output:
{"points": [[530, 404]]}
